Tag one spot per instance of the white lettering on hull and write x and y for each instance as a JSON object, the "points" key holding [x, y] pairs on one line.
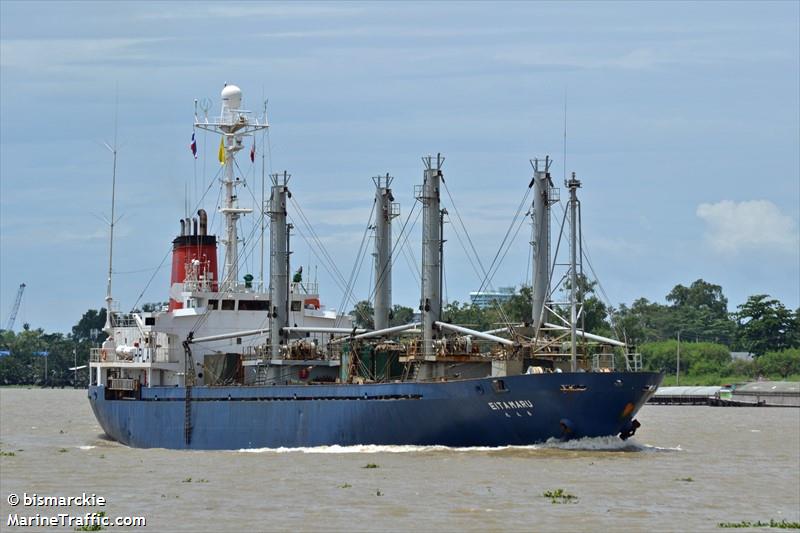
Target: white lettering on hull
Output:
{"points": [[513, 404]]}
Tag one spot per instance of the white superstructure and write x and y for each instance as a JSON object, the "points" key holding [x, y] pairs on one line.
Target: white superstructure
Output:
{"points": [[145, 349]]}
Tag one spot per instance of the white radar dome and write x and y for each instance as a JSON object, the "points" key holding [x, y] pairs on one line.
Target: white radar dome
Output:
{"points": [[231, 97]]}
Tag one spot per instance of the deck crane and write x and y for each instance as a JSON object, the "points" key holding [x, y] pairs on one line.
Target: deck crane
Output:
{"points": [[13, 316]]}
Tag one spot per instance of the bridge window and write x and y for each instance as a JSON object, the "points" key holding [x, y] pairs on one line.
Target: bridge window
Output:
{"points": [[228, 305], [253, 305]]}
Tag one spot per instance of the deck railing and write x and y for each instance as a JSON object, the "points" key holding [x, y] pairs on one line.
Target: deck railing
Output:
{"points": [[142, 355]]}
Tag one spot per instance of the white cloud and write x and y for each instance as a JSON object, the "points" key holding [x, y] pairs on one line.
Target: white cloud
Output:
{"points": [[249, 10], [395, 31], [733, 227], [45, 54]]}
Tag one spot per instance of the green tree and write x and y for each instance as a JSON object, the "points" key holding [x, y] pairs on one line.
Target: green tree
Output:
{"points": [[764, 324], [93, 319], [594, 318], [401, 315], [783, 363], [519, 308], [469, 315], [742, 367], [363, 315], [27, 364], [702, 296], [644, 321], [793, 335], [150, 307], [696, 357], [36, 358], [699, 311]]}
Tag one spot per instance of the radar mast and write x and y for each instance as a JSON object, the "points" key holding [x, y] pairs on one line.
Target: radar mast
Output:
{"points": [[233, 125]]}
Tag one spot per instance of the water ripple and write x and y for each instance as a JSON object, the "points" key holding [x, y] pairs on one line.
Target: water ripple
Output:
{"points": [[599, 444]]}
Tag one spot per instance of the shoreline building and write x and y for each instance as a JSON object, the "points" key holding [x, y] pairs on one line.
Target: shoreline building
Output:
{"points": [[484, 299]]}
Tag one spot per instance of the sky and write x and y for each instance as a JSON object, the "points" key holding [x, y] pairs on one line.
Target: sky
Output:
{"points": [[683, 123]]}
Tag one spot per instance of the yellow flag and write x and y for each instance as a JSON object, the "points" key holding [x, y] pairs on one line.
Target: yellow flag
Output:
{"points": [[222, 151]]}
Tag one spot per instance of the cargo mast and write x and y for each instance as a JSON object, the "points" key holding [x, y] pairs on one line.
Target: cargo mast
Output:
{"points": [[431, 302], [278, 260], [575, 252], [386, 209], [544, 195]]}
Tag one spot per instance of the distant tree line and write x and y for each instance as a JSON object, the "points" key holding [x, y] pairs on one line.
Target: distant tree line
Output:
{"points": [[33, 357]]}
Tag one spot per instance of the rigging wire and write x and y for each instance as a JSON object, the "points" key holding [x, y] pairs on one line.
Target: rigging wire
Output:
{"points": [[585, 255], [444, 283], [339, 282], [328, 262], [318, 242], [353, 271], [477, 274], [527, 278], [411, 261], [495, 265], [466, 233], [466, 252], [138, 271], [508, 247], [242, 258], [247, 252], [501, 311], [401, 243]]}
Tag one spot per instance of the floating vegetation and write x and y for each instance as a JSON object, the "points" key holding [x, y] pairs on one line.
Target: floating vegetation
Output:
{"points": [[102, 456], [560, 496], [370, 465], [779, 524], [345, 486], [378, 493], [687, 479], [63, 450], [189, 480], [92, 527], [7, 454]]}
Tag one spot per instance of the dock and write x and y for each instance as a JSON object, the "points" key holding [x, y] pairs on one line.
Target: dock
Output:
{"points": [[753, 394]]}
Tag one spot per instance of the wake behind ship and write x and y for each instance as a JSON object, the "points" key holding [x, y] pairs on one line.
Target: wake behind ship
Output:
{"points": [[233, 362]]}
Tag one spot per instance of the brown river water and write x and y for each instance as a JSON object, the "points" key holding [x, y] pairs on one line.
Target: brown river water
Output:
{"points": [[687, 469]]}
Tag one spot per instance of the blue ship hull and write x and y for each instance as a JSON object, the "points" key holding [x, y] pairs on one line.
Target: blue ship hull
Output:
{"points": [[514, 410]]}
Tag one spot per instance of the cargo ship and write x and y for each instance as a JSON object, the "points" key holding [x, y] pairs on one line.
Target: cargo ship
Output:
{"points": [[234, 362]]}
